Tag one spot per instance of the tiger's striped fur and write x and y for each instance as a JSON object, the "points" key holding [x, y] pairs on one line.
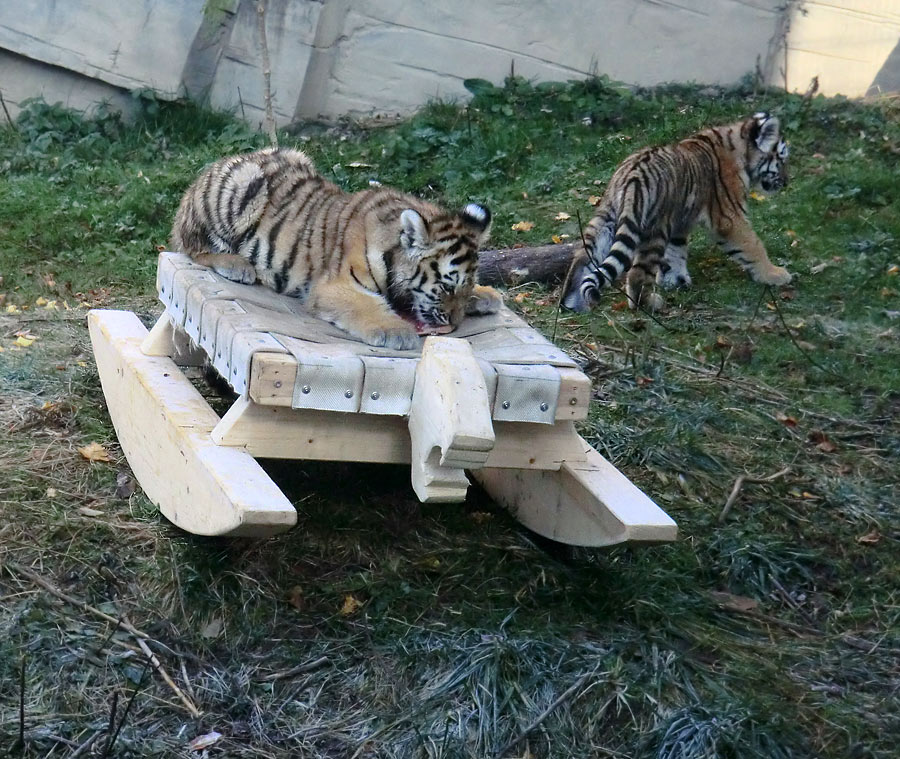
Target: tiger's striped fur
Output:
{"points": [[658, 194], [382, 265]]}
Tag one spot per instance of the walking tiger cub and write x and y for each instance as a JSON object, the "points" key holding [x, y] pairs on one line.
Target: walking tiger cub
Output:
{"points": [[379, 264], [658, 194]]}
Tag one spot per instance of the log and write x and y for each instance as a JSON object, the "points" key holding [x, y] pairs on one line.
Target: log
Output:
{"points": [[547, 264]]}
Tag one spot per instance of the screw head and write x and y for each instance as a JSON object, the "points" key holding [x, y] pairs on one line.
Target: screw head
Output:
{"points": [[375, 395], [348, 394], [505, 404], [277, 383], [544, 407], [305, 389], [573, 401]]}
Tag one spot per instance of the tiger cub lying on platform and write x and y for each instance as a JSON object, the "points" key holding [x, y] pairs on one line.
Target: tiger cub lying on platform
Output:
{"points": [[379, 264], [658, 194]]}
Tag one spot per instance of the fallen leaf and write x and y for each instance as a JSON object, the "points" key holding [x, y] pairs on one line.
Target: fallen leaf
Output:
{"points": [[722, 343], [51, 493], [213, 629], [95, 452], [12, 308], [787, 421], [827, 446], [808, 347], [562, 216], [125, 485], [823, 442], [41, 301], [594, 199], [886, 292], [641, 381], [619, 305], [732, 602], [480, 517], [23, 342], [295, 598], [893, 271], [89, 512], [790, 233], [870, 538], [556, 238], [758, 196], [359, 165], [743, 352], [819, 156], [522, 226], [810, 496], [787, 294], [351, 605], [204, 741], [521, 297]]}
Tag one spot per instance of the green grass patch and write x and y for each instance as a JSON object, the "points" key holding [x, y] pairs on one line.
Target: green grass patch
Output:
{"points": [[436, 631]]}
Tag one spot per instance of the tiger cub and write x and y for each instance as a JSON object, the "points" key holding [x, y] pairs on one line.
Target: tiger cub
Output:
{"points": [[658, 194], [383, 266]]}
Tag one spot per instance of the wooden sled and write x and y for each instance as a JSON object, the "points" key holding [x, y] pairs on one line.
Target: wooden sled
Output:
{"points": [[496, 399]]}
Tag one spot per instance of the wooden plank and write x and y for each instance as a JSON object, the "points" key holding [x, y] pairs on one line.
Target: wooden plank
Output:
{"points": [[165, 339], [589, 503], [164, 425], [449, 420], [285, 433], [272, 380]]}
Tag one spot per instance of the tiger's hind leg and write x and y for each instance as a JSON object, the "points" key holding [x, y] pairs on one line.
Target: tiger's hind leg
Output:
{"points": [[673, 271], [228, 265], [740, 242], [639, 282]]}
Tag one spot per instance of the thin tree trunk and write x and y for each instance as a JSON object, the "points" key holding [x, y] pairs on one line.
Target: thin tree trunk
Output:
{"points": [[267, 72], [546, 263]]}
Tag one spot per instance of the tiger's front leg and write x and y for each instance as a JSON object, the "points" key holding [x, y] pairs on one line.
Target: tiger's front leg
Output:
{"points": [[638, 287], [742, 245], [673, 271], [363, 314]]}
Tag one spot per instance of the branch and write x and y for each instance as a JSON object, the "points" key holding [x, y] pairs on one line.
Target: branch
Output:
{"points": [[267, 72], [545, 263]]}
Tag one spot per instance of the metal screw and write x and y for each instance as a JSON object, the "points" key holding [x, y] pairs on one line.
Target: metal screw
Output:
{"points": [[375, 395], [544, 407], [348, 394], [190, 320], [277, 383], [573, 401], [305, 389], [505, 404]]}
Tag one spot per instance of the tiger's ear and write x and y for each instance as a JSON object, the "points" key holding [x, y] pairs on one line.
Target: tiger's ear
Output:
{"points": [[765, 131], [478, 217], [414, 236]]}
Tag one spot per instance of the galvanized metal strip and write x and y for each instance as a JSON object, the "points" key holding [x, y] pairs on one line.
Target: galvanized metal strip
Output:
{"points": [[526, 393], [387, 385], [329, 377]]}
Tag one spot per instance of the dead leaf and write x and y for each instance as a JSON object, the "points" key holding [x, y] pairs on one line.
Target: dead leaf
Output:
{"points": [[787, 294], [721, 343], [204, 741], [480, 517], [125, 485], [41, 301], [731, 602], [819, 156], [886, 292], [89, 512], [51, 493], [823, 442], [743, 352], [808, 347], [95, 452], [522, 226], [556, 238], [213, 629], [23, 342], [758, 196], [893, 271], [787, 421], [594, 199], [351, 605], [562, 216], [870, 538], [641, 381], [619, 305], [520, 297], [295, 598]]}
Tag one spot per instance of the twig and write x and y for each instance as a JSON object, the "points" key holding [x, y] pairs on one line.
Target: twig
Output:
{"points": [[112, 740], [790, 334], [112, 724], [267, 72], [298, 670], [21, 743], [739, 483], [86, 745], [157, 665], [6, 111], [565, 696]]}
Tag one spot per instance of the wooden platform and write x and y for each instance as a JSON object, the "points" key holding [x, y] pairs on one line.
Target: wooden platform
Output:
{"points": [[496, 399]]}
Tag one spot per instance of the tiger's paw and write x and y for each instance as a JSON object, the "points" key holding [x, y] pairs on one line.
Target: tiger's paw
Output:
{"points": [[777, 275], [485, 300], [237, 271], [674, 278], [401, 338]]}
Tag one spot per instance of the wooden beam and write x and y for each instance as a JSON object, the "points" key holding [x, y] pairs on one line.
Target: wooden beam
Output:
{"points": [[164, 425], [590, 503]]}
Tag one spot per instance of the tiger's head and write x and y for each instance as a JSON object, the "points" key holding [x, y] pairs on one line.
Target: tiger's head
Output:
{"points": [[767, 152], [433, 277]]}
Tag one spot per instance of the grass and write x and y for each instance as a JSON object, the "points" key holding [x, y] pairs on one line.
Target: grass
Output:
{"points": [[381, 627]]}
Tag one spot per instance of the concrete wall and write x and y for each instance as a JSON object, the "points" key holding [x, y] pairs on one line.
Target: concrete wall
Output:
{"points": [[358, 57]]}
